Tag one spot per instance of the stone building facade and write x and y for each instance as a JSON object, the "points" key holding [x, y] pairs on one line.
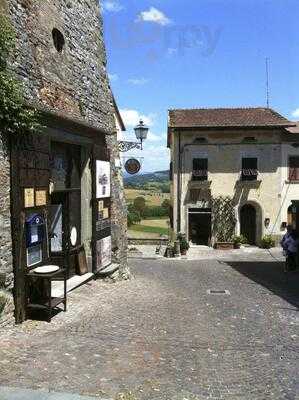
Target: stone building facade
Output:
{"points": [[240, 153], [60, 58]]}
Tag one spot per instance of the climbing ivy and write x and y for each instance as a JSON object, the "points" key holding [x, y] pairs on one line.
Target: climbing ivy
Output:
{"points": [[224, 220], [15, 117]]}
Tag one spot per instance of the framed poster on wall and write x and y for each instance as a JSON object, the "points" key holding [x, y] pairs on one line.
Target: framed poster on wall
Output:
{"points": [[103, 179], [104, 252]]}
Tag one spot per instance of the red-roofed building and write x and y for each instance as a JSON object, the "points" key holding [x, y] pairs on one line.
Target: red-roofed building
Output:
{"points": [[249, 155]]}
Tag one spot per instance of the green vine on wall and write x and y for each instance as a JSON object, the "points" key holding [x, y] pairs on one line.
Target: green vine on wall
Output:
{"points": [[224, 220], [15, 117]]}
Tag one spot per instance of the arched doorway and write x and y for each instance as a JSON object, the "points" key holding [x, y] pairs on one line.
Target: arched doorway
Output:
{"points": [[248, 223]]}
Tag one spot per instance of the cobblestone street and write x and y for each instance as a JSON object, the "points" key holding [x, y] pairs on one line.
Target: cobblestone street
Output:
{"points": [[163, 336]]}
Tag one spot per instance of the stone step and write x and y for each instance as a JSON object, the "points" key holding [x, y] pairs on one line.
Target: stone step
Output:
{"points": [[71, 284], [109, 270]]}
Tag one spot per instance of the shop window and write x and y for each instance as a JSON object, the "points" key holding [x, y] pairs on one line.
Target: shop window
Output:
{"points": [[200, 169], [65, 166], [58, 40], [249, 169], [294, 168], [200, 140]]}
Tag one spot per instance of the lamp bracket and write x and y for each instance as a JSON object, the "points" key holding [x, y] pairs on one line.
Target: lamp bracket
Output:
{"points": [[124, 146]]}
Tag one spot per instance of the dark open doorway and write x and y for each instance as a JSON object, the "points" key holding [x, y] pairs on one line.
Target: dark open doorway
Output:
{"points": [[248, 223], [200, 227]]}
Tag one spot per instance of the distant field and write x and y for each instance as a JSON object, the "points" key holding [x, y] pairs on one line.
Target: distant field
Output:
{"points": [[152, 198], [149, 229]]}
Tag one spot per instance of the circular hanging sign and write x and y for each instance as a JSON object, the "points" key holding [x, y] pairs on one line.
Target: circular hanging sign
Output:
{"points": [[132, 166]]}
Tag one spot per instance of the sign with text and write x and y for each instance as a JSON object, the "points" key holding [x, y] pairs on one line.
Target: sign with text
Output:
{"points": [[103, 180]]}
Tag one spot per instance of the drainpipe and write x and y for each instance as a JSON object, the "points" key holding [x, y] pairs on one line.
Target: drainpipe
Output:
{"points": [[179, 187]]}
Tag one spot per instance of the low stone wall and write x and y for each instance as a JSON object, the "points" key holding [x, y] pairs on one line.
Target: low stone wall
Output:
{"points": [[6, 266]]}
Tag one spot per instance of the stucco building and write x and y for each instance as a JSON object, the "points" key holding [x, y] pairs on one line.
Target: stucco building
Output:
{"points": [[248, 154], [69, 175]]}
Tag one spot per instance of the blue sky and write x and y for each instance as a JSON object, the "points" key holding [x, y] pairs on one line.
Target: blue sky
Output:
{"points": [[199, 53]]}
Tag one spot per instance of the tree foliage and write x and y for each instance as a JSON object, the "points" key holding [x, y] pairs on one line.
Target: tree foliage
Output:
{"points": [[15, 116], [140, 205]]}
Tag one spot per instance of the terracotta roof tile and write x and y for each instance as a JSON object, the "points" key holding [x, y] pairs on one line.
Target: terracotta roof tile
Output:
{"points": [[226, 117], [294, 129]]}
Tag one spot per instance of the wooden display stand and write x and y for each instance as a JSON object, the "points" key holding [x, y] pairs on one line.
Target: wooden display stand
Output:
{"points": [[46, 302]]}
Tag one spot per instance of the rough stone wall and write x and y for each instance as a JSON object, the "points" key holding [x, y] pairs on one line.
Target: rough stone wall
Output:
{"points": [[6, 267], [118, 212], [73, 82]]}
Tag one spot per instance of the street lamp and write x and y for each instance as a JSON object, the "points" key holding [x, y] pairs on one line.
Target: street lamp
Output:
{"points": [[141, 131]]}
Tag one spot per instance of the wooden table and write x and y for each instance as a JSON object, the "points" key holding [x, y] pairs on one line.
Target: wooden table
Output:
{"points": [[50, 302]]}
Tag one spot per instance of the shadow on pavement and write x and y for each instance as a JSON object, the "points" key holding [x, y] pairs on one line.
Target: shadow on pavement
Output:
{"points": [[271, 276]]}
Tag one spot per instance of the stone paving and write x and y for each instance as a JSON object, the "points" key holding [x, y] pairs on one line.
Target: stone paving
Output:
{"points": [[162, 336]]}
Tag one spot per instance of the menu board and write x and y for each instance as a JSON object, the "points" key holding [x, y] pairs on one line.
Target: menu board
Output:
{"points": [[41, 198], [29, 197], [104, 249], [103, 179]]}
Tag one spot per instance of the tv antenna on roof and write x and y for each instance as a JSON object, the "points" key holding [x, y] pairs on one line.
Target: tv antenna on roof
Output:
{"points": [[267, 82]]}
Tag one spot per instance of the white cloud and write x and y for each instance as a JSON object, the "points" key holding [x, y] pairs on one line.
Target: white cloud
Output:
{"points": [[138, 81], [154, 15], [132, 117], [112, 6], [152, 137], [295, 113], [172, 51], [113, 77]]}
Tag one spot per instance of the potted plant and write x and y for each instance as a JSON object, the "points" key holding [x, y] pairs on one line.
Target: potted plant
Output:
{"points": [[184, 245], [238, 241], [267, 242]]}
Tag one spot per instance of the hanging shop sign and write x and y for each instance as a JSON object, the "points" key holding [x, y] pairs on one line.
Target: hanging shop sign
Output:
{"points": [[132, 166], [103, 179]]}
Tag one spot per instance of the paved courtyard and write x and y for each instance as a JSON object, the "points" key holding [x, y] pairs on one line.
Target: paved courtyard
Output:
{"points": [[163, 336]]}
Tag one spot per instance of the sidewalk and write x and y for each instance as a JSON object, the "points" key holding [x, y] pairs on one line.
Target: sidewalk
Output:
{"points": [[206, 253], [27, 394]]}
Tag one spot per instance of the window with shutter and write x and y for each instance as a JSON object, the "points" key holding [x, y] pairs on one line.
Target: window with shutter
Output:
{"points": [[249, 169], [294, 168], [200, 169]]}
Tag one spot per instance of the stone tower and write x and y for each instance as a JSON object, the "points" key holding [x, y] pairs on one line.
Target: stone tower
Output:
{"points": [[60, 58]]}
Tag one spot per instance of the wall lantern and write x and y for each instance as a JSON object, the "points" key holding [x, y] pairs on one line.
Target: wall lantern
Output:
{"points": [[141, 132], [267, 222]]}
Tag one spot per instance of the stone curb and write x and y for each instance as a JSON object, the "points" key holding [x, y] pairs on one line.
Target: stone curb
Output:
{"points": [[28, 394]]}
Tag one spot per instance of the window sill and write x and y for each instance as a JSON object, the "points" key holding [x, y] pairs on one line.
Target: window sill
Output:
{"points": [[199, 184], [252, 184]]}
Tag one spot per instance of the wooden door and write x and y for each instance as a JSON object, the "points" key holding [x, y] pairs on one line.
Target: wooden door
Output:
{"points": [[248, 223]]}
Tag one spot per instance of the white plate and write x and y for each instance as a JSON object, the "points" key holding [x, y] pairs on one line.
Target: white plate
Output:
{"points": [[46, 269]]}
